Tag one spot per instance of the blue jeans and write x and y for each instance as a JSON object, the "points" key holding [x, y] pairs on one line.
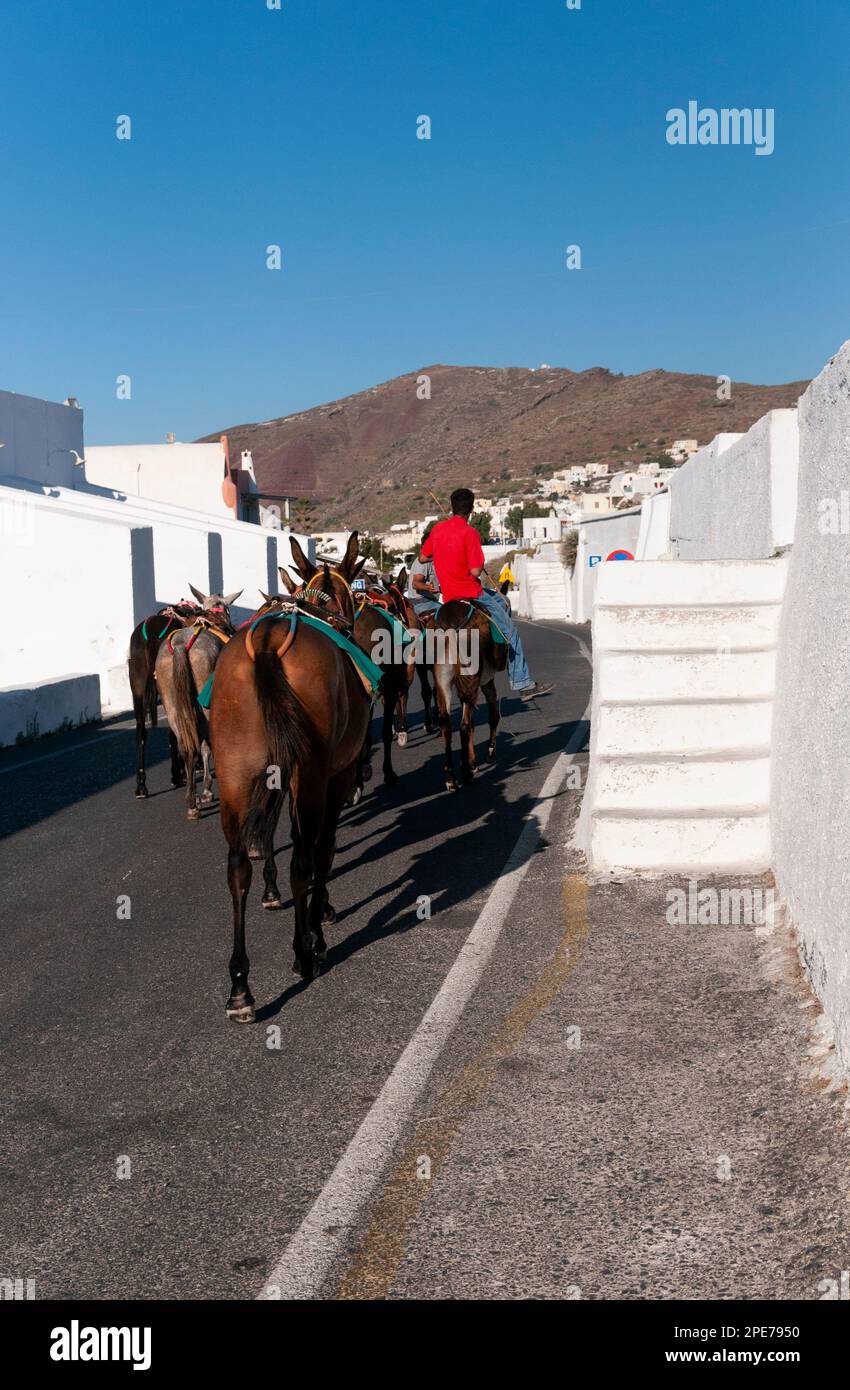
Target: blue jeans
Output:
{"points": [[422, 606], [517, 669]]}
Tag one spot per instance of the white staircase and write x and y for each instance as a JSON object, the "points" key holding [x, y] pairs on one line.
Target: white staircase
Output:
{"points": [[683, 672], [547, 589]]}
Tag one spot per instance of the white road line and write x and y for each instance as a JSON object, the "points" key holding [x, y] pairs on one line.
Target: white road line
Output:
{"points": [[324, 1233], [59, 752]]}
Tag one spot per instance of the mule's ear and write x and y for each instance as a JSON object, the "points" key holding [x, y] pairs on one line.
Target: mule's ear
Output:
{"points": [[350, 558], [358, 567], [231, 598], [401, 579], [269, 598], [300, 561], [286, 580], [202, 598]]}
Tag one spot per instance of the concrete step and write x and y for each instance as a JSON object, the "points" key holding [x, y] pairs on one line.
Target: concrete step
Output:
{"points": [[711, 583], [647, 677], [682, 787], [691, 844], [694, 729], [679, 629]]}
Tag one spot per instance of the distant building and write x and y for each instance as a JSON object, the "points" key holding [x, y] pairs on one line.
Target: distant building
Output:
{"points": [[196, 476], [635, 484], [596, 503], [682, 449]]}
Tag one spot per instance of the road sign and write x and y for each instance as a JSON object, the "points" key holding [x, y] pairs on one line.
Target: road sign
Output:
{"points": [[594, 560], [620, 555]]}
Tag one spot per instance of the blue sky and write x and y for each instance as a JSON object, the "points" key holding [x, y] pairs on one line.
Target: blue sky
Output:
{"points": [[298, 127]]}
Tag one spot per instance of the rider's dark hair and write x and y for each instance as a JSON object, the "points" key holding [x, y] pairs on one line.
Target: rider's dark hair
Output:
{"points": [[462, 501]]}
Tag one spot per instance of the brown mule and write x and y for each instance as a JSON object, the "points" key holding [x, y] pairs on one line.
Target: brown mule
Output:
{"points": [[184, 664], [373, 632], [288, 714], [145, 641], [402, 608], [466, 660]]}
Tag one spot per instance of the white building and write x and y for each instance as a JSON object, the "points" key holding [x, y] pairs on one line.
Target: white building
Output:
{"points": [[635, 484], [596, 504], [682, 449], [199, 476]]}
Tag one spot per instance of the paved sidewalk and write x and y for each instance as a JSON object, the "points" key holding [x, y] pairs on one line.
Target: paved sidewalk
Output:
{"points": [[684, 1144]]}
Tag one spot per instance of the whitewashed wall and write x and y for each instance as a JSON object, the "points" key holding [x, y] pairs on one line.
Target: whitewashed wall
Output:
{"points": [[810, 781], [736, 498], [103, 565]]}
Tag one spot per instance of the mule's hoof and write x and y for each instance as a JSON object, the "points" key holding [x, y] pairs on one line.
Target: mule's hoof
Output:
{"points": [[451, 786], [366, 772], [402, 739], [308, 970], [141, 794], [356, 795], [206, 798], [329, 915], [276, 901], [240, 1011], [390, 779], [193, 813]]}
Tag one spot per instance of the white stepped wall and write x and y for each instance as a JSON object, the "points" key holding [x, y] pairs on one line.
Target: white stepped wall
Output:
{"points": [[548, 589], [684, 672], [810, 798]]}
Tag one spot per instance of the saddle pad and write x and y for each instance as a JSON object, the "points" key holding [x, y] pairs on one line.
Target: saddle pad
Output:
{"points": [[495, 631], [406, 635], [370, 674]]}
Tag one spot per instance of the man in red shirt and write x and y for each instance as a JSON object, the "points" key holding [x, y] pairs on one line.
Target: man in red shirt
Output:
{"points": [[455, 548]]}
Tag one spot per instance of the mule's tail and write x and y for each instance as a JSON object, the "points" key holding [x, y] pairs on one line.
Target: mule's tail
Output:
{"points": [[288, 730], [186, 710]]}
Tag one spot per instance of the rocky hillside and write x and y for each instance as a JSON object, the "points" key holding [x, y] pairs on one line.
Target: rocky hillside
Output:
{"points": [[368, 460]]}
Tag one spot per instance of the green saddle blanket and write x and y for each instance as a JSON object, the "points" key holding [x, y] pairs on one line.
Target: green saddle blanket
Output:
{"points": [[364, 664]]}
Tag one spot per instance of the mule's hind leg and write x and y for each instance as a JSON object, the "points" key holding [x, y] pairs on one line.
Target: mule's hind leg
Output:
{"points": [[240, 1005], [307, 818], [427, 697], [443, 684], [489, 692], [468, 764], [271, 893], [401, 710], [193, 810], [141, 740], [321, 908], [390, 699], [178, 770], [206, 792]]}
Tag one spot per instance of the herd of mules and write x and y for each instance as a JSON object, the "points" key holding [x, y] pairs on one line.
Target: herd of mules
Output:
{"points": [[283, 710]]}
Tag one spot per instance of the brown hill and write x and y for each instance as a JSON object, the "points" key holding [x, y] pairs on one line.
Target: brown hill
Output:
{"points": [[368, 460]]}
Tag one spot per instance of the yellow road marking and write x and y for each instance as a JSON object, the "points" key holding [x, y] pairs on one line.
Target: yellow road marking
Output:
{"points": [[373, 1270]]}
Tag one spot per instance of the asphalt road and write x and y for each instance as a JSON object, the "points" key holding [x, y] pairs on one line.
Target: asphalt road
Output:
{"points": [[152, 1149]]}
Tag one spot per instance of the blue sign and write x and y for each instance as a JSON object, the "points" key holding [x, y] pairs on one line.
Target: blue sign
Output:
{"points": [[359, 584], [594, 560]]}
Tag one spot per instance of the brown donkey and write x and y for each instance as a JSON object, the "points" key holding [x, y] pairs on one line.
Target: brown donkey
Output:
{"points": [[145, 642], [289, 713], [184, 664], [371, 627], [466, 660]]}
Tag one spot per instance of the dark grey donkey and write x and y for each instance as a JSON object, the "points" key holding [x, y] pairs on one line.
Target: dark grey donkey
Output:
{"points": [[184, 664]]}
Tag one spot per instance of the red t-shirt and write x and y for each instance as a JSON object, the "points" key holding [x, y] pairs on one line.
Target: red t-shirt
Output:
{"points": [[455, 548]]}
